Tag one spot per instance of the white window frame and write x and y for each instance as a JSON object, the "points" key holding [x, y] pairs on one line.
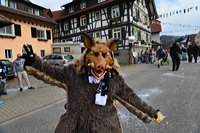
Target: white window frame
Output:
{"points": [[115, 11], [39, 36], [4, 3], [30, 10], [97, 34], [71, 9], [42, 53], [83, 20], [83, 4], [14, 4], [12, 30], [97, 15], [66, 26], [117, 33], [36, 12], [7, 54], [99, 1]]}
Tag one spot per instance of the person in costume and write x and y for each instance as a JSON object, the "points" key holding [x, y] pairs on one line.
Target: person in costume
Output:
{"points": [[93, 82]]}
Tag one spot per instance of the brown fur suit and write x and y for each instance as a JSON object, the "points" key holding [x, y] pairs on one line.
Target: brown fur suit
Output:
{"points": [[83, 115]]}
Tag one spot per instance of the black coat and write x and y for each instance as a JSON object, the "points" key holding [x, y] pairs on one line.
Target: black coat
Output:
{"points": [[195, 50], [174, 51]]}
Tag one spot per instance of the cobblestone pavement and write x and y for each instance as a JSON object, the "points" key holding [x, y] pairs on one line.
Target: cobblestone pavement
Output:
{"points": [[17, 103]]}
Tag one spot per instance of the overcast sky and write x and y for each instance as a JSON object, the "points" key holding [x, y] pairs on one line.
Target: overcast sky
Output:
{"points": [[163, 6], [191, 18]]}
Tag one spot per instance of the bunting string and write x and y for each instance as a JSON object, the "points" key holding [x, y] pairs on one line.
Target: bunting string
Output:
{"points": [[175, 25], [187, 30], [183, 11]]}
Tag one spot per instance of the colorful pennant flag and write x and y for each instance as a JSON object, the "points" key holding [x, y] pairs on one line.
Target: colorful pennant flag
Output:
{"points": [[187, 10]]}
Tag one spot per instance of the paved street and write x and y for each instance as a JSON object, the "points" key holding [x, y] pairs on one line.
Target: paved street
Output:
{"points": [[176, 94]]}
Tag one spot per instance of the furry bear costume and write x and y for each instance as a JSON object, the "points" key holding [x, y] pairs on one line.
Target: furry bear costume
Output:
{"points": [[83, 115]]}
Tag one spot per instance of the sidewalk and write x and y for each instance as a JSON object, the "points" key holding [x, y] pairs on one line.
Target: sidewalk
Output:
{"points": [[17, 103]]}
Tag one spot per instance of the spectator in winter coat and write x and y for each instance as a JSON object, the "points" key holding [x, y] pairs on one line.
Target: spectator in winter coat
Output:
{"points": [[175, 53], [3, 71], [19, 69], [189, 52], [195, 52]]}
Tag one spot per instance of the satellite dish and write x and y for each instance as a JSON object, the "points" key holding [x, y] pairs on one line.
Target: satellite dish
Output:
{"points": [[131, 39]]}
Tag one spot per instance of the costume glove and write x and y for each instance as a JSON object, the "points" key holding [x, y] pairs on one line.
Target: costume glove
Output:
{"points": [[29, 56]]}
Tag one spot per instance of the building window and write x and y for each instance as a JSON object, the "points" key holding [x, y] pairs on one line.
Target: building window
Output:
{"points": [[41, 34], [36, 12], [97, 15], [66, 26], [83, 4], [83, 20], [57, 50], [30, 10], [97, 34], [115, 11], [13, 4], [42, 53], [8, 53], [8, 30], [4, 2], [117, 33], [71, 9], [66, 49], [99, 1]]}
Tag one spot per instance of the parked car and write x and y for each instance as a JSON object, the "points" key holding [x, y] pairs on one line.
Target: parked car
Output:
{"points": [[59, 59], [10, 74]]}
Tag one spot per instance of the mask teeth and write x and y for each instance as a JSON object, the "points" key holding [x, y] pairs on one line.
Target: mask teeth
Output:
{"points": [[108, 67], [91, 65]]}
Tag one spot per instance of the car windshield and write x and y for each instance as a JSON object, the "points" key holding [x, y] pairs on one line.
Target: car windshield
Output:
{"points": [[69, 57], [6, 62]]}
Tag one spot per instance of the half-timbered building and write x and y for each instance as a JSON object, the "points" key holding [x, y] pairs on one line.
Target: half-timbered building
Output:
{"points": [[106, 19]]}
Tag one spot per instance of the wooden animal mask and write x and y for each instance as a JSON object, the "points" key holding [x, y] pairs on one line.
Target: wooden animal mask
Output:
{"points": [[99, 59]]}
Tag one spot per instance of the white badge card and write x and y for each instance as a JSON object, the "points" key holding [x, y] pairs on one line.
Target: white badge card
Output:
{"points": [[0, 70], [100, 100]]}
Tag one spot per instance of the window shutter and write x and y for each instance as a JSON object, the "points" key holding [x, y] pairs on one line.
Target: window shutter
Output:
{"points": [[121, 9], [48, 34], [133, 31], [70, 27], [138, 14], [78, 21], [132, 11], [87, 18], [17, 30], [81, 38], [109, 34], [123, 33], [33, 32], [109, 12]]}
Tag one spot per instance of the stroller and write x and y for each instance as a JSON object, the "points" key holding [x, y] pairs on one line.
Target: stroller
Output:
{"points": [[163, 60]]}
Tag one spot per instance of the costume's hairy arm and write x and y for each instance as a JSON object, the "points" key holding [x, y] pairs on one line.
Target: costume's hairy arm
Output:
{"points": [[135, 105], [51, 74]]}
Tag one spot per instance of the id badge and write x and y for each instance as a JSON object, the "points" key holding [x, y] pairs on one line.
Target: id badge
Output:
{"points": [[0, 70], [100, 100]]}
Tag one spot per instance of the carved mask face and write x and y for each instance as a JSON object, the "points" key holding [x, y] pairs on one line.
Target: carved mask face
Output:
{"points": [[98, 59]]}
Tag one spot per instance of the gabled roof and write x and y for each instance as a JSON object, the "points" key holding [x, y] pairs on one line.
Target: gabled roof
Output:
{"points": [[13, 11], [4, 21]]}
